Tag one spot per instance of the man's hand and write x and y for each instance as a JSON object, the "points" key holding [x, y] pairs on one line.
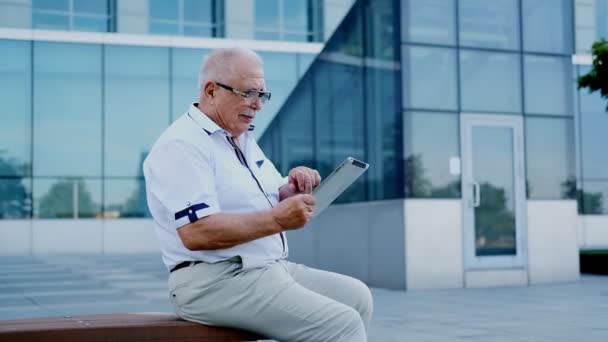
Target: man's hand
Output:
{"points": [[303, 179], [294, 212]]}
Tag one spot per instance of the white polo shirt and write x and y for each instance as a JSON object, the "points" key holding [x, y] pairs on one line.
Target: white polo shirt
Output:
{"points": [[194, 170]]}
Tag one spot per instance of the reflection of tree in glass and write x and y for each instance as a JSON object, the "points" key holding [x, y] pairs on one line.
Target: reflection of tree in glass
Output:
{"points": [[59, 201], [14, 198], [588, 203], [419, 186], [494, 223]]}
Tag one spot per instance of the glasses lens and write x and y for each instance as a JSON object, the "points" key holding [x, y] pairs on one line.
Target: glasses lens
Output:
{"points": [[264, 97]]}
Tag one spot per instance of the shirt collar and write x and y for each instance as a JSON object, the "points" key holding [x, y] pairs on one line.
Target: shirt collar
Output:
{"points": [[204, 122]]}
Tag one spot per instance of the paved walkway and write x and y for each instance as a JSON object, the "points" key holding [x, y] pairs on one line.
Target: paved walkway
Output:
{"points": [[68, 285]]}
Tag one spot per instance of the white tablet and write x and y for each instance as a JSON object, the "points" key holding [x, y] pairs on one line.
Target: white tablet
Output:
{"points": [[337, 181]]}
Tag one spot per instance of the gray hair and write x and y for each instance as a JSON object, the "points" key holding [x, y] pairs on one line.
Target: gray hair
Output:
{"points": [[219, 64]]}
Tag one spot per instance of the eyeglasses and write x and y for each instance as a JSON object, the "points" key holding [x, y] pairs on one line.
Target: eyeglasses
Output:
{"points": [[263, 95]]}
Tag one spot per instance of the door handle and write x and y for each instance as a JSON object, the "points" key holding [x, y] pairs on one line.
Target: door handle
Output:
{"points": [[476, 194]]}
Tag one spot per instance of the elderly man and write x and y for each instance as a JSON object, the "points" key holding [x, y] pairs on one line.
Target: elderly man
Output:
{"points": [[221, 209]]}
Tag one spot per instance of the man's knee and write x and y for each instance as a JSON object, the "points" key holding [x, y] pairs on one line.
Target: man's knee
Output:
{"points": [[364, 302], [353, 328]]}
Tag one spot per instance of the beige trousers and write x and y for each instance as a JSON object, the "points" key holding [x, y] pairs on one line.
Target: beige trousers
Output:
{"points": [[283, 300]]}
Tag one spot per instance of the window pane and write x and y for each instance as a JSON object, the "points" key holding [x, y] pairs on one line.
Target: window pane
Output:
{"points": [[91, 24], [267, 14], [67, 109], [164, 9], [431, 140], [594, 141], [125, 198], [297, 37], [54, 5], [15, 197], [280, 81], [547, 85], [428, 21], [490, 26], [266, 35], [99, 7], [15, 96], [15, 14], [67, 198], [50, 21], [185, 64], [296, 15], [304, 62], [593, 199], [198, 31], [429, 78], [591, 23], [547, 25], [164, 28], [136, 104], [198, 11], [490, 81], [550, 158]]}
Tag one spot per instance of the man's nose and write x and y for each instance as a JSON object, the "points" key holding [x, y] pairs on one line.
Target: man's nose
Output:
{"points": [[256, 103]]}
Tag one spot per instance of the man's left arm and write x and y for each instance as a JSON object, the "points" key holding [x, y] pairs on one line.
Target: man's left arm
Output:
{"points": [[301, 180]]}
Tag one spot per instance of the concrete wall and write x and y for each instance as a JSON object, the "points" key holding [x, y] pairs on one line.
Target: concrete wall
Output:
{"points": [[552, 241], [433, 243]]}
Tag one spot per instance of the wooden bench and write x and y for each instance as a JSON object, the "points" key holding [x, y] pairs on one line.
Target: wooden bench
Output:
{"points": [[118, 327]]}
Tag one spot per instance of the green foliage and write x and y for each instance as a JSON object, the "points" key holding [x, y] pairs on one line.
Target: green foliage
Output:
{"points": [[597, 78], [59, 201]]}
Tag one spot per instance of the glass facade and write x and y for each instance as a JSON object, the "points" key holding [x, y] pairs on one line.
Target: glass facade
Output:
{"points": [[201, 18], [73, 15], [289, 20], [78, 120], [591, 20]]}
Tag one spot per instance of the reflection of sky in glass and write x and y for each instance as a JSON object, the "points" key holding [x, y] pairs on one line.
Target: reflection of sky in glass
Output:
{"points": [[185, 65], [495, 26], [67, 109], [549, 156], [163, 9], [99, 7], [493, 159], [547, 85], [281, 74], [429, 78], [126, 196], [296, 15], [136, 105], [198, 11], [490, 81], [547, 25], [15, 76], [428, 21], [267, 13]]}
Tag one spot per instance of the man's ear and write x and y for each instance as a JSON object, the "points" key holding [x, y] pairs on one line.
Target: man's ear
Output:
{"points": [[209, 89]]}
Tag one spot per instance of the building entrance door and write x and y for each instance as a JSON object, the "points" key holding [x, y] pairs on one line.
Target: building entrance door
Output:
{"points": [[493, 191]]}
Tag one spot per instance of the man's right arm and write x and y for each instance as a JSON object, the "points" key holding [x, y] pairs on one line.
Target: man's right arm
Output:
{"points": [[221, 230]]}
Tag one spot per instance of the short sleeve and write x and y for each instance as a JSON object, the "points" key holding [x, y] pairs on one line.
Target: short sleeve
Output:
{"points": [[182, 178]]}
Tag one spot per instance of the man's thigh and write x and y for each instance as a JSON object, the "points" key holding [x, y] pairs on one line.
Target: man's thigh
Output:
{"points": [[267, 301], [341, 288]]}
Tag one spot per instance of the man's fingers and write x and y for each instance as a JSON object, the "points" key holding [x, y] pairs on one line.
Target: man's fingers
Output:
{"points": [[308, 199], [317, 178]]}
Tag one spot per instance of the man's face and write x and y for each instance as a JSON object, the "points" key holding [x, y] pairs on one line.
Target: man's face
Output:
{"points": [[235, 112]]}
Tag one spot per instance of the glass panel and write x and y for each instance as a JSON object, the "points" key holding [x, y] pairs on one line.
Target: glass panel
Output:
{"points": [[54, 5], [198, 31], [594, 141], [547, 26], [304, 62], [547, 85], [429, 78], [267, 14], [164, 9], [15, 97], [593, 199], [91, 24], [296, 139], [490, 81], [550, 158], [591, 23], [67, 198], [493, 161], [99, 7], [428, 21], [15, 14], [280, 81], [15, 197], [198, 11], [136, 97], [68, 127], [489, 26], [297, 37], [125, 198], [50, 21], [164, 28], [185, 64], [296, 15], [432, 139], [265, 35]]}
